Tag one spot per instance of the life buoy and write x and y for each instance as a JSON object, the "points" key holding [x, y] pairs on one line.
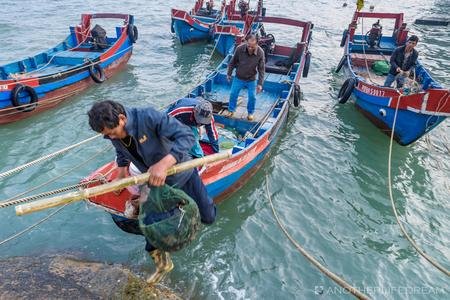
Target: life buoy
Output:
{"points": [[297, 94], [97, 73], [346, 90], [341, 63], [344, 37], [16, 95], [307, 63], [133, 33]]}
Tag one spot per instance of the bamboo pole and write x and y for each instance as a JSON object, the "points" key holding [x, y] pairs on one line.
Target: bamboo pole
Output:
{"points": [[115, 185]]}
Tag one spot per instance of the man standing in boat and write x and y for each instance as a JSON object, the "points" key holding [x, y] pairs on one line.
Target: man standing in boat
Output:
{"points": [[403, 60], [153, 142], [248, 59], [196, 113]]}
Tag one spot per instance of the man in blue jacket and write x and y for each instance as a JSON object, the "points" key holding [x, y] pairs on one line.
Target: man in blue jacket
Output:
{"points": [[153, 142], [403, 60], [195, 113]]}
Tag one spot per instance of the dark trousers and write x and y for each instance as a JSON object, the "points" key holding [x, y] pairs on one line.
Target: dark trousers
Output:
{"points": [[195, 188]]}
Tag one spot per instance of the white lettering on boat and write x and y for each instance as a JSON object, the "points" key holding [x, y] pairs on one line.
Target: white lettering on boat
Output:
{"points": [[372, 91], [3, 87]]}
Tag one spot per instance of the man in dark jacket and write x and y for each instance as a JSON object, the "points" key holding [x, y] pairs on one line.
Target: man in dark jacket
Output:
{"points": [[403, 60], [153, 142], [248, 59], [195, 113]]}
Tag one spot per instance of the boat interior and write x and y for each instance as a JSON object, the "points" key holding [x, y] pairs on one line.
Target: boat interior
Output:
{"points": [[363, 57], [62, 57]]}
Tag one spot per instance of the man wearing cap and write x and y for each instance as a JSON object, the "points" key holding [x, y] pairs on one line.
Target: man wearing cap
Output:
{"points": [[195, 113], [153, 142], [403, 60], [248, 59]]}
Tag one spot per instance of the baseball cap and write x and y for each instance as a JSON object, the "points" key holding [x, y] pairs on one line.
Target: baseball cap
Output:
{"points": [[203, 112]]}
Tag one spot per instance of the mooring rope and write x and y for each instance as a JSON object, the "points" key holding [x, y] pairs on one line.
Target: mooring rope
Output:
{"points": [[57, 177], [403, 230], [48, 193], [309, 257], [46, 157], [16, 235]]}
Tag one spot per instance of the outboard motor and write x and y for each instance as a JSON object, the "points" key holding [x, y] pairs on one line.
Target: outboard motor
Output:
{"points": [[374, 34], [243, 7]]}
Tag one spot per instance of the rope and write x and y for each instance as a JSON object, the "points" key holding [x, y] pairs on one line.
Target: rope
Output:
{"points": [[57, 177], [364, 51], [420, 251], [311, 259], [49, 193], [14, 236], [46, 157]]}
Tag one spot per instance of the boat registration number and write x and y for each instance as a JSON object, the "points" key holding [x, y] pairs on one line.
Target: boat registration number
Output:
{"points": [[3, 87], [372, 91]]}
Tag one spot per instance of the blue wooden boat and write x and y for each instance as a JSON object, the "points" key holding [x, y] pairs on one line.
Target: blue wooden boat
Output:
{"points": [[199, 25], [250, 141], [196, 25], [42, 81], [422, 104]]}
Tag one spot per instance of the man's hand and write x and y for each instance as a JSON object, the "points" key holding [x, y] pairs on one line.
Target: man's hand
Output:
{"points": [[258, 88], [229, 78], [398, 70], [158, 171]]}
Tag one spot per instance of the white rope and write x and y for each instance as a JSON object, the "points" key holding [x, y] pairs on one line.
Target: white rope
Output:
{"points": [[309, 257], [46, 157], [364, 51], [14, 236], [403, 230], [59, 176]]}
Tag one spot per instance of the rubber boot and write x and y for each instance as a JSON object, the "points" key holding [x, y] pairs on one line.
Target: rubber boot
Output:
{"points": [[163, 264]]}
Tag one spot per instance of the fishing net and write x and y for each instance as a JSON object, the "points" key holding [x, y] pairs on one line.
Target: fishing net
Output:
{"points": [[169, 218], [381, 67]]}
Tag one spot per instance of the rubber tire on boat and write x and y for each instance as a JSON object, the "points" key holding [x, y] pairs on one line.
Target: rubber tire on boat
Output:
{"points": [[307, 63], [297, 94], [15, 97], [132, 33], [344, 38], [172, 28], [97, 77], [341, 63], [346, 90]]}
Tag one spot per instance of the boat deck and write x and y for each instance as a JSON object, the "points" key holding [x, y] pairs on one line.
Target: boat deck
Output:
{"points": [[221, 95]]}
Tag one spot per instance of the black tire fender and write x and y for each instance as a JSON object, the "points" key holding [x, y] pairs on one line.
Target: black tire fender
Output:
{"points": [[346, 90], [15, 95], [98, 76], [132, 33], [297, 95], [341, 64], [307, 63], [172, 24], [344, 37]]}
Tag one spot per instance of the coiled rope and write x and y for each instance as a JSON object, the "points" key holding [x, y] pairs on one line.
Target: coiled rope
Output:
{"points": [[14, 236], [46, 157], [403, 230], [308, 256]]}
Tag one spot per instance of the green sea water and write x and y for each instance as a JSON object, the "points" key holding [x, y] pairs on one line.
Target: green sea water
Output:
{"points": [[327, 174]]}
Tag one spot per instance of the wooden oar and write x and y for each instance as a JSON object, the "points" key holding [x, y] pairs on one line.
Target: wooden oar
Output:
{"points": [[114, 186]]}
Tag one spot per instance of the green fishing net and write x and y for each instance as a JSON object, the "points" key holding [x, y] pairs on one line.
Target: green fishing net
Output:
{"points": [[169, 219], [381, 67]]}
